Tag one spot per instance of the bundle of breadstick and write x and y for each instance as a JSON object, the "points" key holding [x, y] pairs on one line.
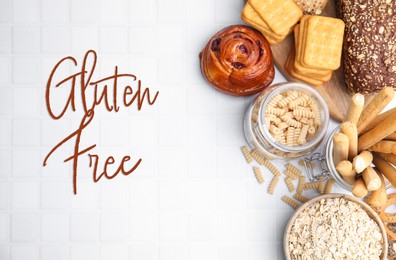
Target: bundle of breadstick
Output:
{"points": [[365, 147]]}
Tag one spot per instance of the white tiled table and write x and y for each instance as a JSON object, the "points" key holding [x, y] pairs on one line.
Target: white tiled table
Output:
{"points": [[193, 197]]}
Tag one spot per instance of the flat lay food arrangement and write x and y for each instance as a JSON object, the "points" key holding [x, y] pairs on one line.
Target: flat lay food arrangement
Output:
{"points": [[339, 57]]}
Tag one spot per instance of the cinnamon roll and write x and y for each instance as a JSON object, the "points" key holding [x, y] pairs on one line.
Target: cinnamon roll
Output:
{"points": [[238, 61]]}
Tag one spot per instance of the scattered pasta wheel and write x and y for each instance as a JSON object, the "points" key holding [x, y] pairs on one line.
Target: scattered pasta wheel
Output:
{"points": [[301, 184], [275, 111], [329, 186], [289, 184], [290, 201], [258, 174], [293, 169], [273, 184], [302, 138], [271, 168], [246, 153], [300, 197], [312, 185]]}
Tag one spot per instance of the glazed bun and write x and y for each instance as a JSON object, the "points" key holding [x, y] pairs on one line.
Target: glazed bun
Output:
{"points": [[238, 61]]}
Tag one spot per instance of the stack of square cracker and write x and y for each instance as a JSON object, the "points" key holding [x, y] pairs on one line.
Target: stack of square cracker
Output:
{"points": [[317, 50], [274, 19]]}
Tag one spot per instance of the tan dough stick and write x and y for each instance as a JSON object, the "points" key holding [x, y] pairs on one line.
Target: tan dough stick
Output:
{"points": [[384, 147], [392, 136], [362, 161], [341, 147], [371, 179], [378, 119], [378, 198], [359, 188], [386, 169], [345, 169], [355, 108], [376, 105], [389, 157], [349, 129], [379, 132]]}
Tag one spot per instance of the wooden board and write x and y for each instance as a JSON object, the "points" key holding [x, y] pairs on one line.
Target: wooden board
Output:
{"points": [[334, 92]]}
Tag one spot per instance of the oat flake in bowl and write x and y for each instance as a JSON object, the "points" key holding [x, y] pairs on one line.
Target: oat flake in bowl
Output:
{"points": [[335, 227]]}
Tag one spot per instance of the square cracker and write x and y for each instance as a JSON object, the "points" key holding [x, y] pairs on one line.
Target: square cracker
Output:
{"points": [[267, 35], [289, 68], [250, 16], [316, 73], [323, 43], [280, 15]]}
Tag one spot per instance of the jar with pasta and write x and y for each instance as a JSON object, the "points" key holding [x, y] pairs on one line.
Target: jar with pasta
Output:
{"points": [[286, 121]]}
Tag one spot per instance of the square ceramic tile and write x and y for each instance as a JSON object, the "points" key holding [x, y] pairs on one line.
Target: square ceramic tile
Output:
{"points": [[4, 227], [25, 101], [143, 194], [143, 131], [200, 11], [22, 252], [201, 131], [228, 12], [5, 195], [256, 251], [171, 195], [202, 200], [144, 227], [232, 194], [260, 228], [25, 69], [146, 252], [60, 127], [24, 227], [230, 163], [202, 225], [171, 70], [5, 164], [55, 227], [173, 252], [142, 39], [201, 162], [172, 131], [55, 11], [114, 132], [231, 225], [30, 168], [171, 39], [171, 11], [225, 137], [25, 10], [84, 252], [5, 35], [173, 225], [113, 227], [113, 195], [84, 38], [6, 102], [22, 35], [87, 196], [50, 252], [55, 39], [26, 132], [202, 251], [5, 10], [5, 70], [84, 11], [54, 195], [173, 101], [231, 252], [112, 12], [257, 195], [84, 227], [196, 95], [5, 132], [142, 11], [110, 252], [172, 162], [31, 198], [112, 39]]}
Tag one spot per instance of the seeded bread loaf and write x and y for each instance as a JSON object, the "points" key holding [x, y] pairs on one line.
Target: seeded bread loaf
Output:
{"points": [[369, 44]]}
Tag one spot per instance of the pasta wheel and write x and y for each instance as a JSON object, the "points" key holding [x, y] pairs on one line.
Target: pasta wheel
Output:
{"points": [[301, 100], [303, 135], [290, 97], [272, 185], [321, 187], [304, 121], [310, 122], [293, 169], [302, 163], [282, 125], [289, 184], [271, 168], [274, 101], [290, 121], [258, 175], [303, 113], [290, 136], [280, 138], [316, 111], [271, 117], [277, 121], [329, 186], [258, 157], [311, 130], [312, 185], [247, 154], [275, 111], [291, 175], [290, 201], [300, 197], [297, 133], [301, 184], [274, 130]]}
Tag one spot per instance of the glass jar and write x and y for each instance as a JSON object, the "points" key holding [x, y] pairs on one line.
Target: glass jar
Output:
{"points": [[259, 137]]}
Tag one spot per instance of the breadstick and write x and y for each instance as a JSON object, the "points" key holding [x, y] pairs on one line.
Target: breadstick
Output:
{"points": [[355, 108], [345, 169], [341, 147], [378, 197], [359, 188], [384, 147], [329, 186], [362, 161], [389, 157], [378, 119], [379, 132], [376, 105], [349, 129], [371, 179], [385, 168]]}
